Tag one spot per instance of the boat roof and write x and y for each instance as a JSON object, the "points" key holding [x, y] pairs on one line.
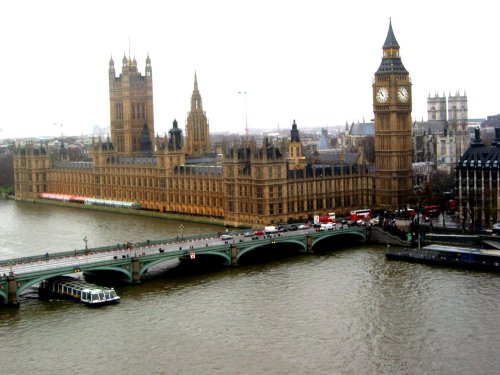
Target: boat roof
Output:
{"points": [[462, 250], [80, 284]]}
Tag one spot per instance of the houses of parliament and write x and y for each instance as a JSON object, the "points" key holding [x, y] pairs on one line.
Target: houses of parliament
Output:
{"points": [[243, 183]]}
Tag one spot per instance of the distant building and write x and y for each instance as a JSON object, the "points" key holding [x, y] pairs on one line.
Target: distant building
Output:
{"points": [[443, 138], [240, 181]]}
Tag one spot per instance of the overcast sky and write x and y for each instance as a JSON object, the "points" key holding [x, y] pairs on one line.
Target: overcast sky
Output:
{"points": [[312, 61]]}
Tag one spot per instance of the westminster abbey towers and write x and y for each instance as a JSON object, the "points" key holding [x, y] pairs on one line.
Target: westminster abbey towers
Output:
{"points": [[392, 105]]}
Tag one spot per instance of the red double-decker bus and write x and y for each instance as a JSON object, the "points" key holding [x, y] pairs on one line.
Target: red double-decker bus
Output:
{"points": [[364, 214], [431, 210]]}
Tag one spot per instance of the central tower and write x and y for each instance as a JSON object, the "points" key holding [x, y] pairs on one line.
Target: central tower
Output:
{"points": [[131, 107], [393, 140], [197, 131]]}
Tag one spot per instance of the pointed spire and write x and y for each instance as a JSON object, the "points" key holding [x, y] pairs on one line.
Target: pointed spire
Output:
{"points": [[111, 69], [390, 40], [294, 134], [391, 62], [196, 103]]}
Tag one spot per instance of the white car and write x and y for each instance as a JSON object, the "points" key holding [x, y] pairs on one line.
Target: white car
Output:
{"points": [[303, 226], [226, 237]]}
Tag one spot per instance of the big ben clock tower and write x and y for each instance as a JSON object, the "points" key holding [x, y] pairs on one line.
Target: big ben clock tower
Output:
{"points": [[393, 138]]}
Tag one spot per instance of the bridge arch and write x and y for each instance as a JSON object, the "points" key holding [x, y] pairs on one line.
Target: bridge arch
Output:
{"points": [[302, 247], [224, 255], [203, 252], [3, 296], [26, 283], [121, 270], [355, 234]]}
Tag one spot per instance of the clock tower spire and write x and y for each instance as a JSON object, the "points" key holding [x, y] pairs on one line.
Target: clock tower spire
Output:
{"points": [[393, 140]]}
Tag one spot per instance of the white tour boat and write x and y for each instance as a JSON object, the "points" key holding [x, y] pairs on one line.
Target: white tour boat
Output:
{"points": [[79, 290]]}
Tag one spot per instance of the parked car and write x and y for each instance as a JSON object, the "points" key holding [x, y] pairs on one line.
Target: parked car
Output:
{"points": [[496, 228]]}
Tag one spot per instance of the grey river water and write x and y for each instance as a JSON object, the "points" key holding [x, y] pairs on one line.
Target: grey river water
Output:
{"points": [[347, 311]]}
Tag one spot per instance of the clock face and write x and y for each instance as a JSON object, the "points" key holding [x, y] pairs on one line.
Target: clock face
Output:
{"points": [[382, 95], [403, 94]]}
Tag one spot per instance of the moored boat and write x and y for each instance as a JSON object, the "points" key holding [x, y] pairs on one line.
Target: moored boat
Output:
{"points": [[485, 259], [79, 290]]}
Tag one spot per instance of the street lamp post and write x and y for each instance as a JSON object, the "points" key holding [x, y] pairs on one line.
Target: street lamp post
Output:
{"points": [[86, 246], [181, 229]]}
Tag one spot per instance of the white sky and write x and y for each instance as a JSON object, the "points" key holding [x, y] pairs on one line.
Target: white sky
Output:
{"points": [[312, 61]]}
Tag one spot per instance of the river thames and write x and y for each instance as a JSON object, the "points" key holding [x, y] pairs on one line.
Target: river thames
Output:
{"points": [[347, 311]]}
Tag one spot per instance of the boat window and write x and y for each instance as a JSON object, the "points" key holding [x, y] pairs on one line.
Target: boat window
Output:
{"points": [[84, 296], [113, 294], [102, 297], [95, 297]]}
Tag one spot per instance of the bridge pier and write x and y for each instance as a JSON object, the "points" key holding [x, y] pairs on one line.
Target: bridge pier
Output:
{"points": [[234, 254], [136, 274], [12, 291], [309, 243]]}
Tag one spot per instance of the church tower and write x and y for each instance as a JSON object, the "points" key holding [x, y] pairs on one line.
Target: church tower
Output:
{"points": [[295, 157], [131, 107], [457, 118], [436, 108], [393, 139], [197, 134]]}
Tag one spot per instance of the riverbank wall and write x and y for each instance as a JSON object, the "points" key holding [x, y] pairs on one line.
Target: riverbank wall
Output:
{"points": [[147, 213]]}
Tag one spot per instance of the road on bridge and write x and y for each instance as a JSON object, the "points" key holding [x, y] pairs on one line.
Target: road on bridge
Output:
{"points": [[54, 261]]}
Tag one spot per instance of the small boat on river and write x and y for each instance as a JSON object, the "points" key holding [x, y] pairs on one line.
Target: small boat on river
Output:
{"points": [[79, 290]]}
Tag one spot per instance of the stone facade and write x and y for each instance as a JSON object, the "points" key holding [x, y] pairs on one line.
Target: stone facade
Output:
{"points": [[392, 106], [478, 183], [444, 137], [246, 183]]}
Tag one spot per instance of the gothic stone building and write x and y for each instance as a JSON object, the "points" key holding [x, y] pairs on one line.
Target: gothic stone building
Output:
{"points": [[444, 137], [243, 183], [392, 105], [478, 183]]}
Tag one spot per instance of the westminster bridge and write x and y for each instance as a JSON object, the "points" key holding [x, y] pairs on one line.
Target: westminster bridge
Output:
{"points": [[130, 261]]}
